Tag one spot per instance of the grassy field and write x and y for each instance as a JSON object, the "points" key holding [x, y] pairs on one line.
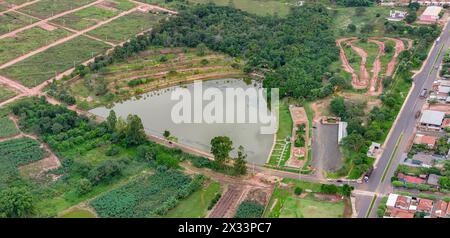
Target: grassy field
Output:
{"points": [[285, 122], [26, 41], [92, 15], [258, 7], [78, 213], [371, 50], [126, 27], [374, 16], [11, 21], [40, 67], [7, 128], [284, 203], [154, 70], [48, 8], [309, 207], [6, 93], [196, 205]]}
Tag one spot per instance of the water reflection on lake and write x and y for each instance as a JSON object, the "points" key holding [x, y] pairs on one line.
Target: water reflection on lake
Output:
{"points": [[155, 109]]}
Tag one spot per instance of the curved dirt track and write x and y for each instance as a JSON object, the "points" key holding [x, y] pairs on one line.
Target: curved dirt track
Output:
{"points": [[346, 65], [363, 74], [361, 81], [376, 68]]}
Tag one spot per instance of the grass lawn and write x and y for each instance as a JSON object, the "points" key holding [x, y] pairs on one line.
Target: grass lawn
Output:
{"points": [[308, 207], [285, 122], [86, 17], [45, 65], [11, 21], [78, 213], [6, 93], [196, 205], [126, 27], [26, 41], [353, 58], [48, 8], [258, 7], [371, 50], [7, 127]]}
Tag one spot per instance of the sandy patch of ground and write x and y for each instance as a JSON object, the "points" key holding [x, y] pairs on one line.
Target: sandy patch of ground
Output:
{"points": [[47, 26]]}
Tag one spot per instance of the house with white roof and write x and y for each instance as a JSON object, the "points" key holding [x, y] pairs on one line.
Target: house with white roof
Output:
{"points": [[431, 120]]}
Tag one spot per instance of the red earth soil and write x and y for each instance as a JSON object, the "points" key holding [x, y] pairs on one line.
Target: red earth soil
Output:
{"points": [[364, 75], [376, 68]]}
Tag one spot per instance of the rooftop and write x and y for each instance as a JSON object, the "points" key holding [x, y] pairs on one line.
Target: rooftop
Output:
{"points": [[432, 11], [424, 158], [440, 209], [410, 179], [432, 117], [425, 139], [425, 205]]}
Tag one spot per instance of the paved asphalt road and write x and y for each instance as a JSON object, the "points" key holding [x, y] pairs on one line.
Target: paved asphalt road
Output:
{"points": [[404, 128]]}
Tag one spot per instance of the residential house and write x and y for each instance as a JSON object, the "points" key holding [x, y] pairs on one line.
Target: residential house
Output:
{"points": [[425, 205], [403, 202], [429, 141], [440, 209], [410, 179], [422, 160], [431, 120], [433, 180]]}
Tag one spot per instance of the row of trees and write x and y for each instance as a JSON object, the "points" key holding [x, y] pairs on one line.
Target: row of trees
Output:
{"points": [[221, 146]]}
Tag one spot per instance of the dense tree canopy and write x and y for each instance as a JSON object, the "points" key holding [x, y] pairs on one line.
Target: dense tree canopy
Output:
{"points": [[294, 51]]}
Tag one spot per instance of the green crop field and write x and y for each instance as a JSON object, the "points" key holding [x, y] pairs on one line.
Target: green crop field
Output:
{"points": [[11, 21], [126, 27], [26, 41], [7, 128], [49, 8], [147, 196], [85, 18], [40, 67], [6, 93], [196, 205]]}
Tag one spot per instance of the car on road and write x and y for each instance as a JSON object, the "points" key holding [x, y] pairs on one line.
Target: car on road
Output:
{"points": [[367, 175], [423, 94], [418, 114]]}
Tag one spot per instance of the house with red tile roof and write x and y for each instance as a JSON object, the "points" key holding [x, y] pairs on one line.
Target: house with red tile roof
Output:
{"points": [[410, 179], [399, 213], [425, 205], [440, 209], [403, 202], [429, 141]]}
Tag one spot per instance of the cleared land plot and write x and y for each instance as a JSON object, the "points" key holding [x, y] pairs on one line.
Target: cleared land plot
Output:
{"points": [[121, 5], [126, 27], [196, 205], [365, 18], [11, 21], [86, 17], [309, 207], [6, 93], [47, 8], [17, 2], [17, 152], [41, 67], [26, 41], [7, 128], [151, 70]]}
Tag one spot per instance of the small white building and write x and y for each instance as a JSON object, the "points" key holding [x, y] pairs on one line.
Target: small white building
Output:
{"points": [[396, 15], [342, 130]]}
